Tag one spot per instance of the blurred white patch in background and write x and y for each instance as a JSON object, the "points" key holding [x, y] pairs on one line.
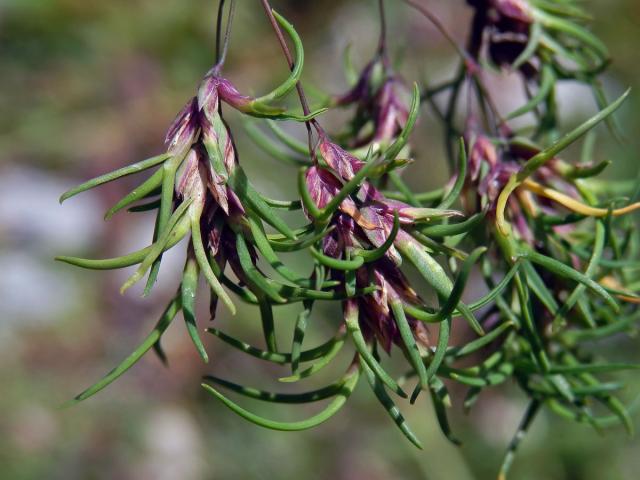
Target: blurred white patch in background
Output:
{"points": [[31, 291], [34, 289], [173, 447], [34, 228], [31, 217]]}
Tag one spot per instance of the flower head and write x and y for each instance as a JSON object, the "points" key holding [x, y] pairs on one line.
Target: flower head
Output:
{"points": [[380, 96]]}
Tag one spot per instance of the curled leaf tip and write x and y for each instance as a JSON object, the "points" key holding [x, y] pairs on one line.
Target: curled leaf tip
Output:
{"points": [[574, 205]]}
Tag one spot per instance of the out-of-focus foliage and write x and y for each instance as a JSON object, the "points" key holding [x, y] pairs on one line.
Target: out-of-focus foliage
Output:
{"points": [[86, 86]]}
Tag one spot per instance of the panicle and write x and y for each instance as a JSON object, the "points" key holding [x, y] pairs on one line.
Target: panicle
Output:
{"points": [[553, 246]]}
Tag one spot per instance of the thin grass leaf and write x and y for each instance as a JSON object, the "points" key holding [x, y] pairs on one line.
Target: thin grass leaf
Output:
{"points": [[245, 294], [494, 293], [576, 206], [178, 217], [549, 43], [350, 73], [109, 177], [564, 8], [165, 320], [435, 275], [298, 294], [169, 169], [537, 285], [601, 100], [581, 416], [138, 193], [592, 368], [406, 192], [451, 230], [620, 411], [585, 391], [432, 196], [312, 354], [300, 244], [604, 262], [461, 177], [286, 139], [160, 353], [490, 379], [598, 248], [264, 247], [441, 348], [455, 295], [351, 380], [287, 398], [254, 277], [535, 34], [145, 207], [298, 63], [611, 402], [424, 314], [547, 83], [485, 366], [107, 263], [336, 347], [584, 308], [496, 290], [603, 332], [471, 398], [267, 146], [188, 290], [336, 263], [389, 405], [588, 171], [562, 386], [563, 270], [299, 331], [242, 187], [128, 260], [553, 22], [283, 204], [479, 343], [440, 399], [530, 330], [599, 422], [275, 113], [205, 267], [275, 357], [353, 328], [530, 414], [268, 326], [411, 348]]}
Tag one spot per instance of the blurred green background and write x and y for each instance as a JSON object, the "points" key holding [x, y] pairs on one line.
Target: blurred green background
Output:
{"points": [[88, 86]]}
